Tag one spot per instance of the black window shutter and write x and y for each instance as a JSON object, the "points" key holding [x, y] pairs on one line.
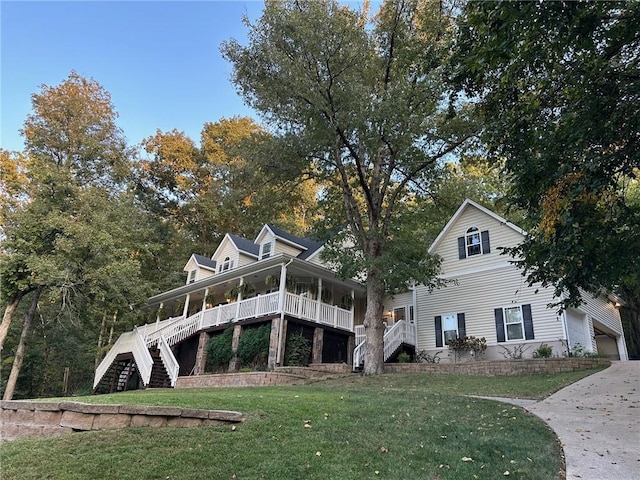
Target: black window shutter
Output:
{"points": [[462, 327], [438, 331], [528, 322], [499, 325], [486, 248], [462, 248]]}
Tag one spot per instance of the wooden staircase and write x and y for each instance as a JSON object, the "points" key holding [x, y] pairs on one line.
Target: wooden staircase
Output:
{"points": [[159, 376], [121, 376]]}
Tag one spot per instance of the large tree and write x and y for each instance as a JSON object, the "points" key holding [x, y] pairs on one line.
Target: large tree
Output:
{"points": [[215, 188], [67, 236], [558, 85], [361, 105]]}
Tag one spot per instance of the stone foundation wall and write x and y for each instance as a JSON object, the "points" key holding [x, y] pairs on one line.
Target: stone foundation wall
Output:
{"points": [[247, 379], [492, 368], [22, 419]]}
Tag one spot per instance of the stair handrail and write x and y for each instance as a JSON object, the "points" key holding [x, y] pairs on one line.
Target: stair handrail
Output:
{"points": [[175, 331], [141, 355], [122, 345], [168, 360], [394, 336]]}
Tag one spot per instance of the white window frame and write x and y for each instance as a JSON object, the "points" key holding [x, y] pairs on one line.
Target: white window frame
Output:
{"points": [[404, 314], [266, 250], [227, 264], [449, 317], [473, 241], [192, 276], [518, 320]]}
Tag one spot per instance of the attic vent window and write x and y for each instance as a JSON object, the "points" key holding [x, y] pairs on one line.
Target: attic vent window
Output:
{"points": [[192, 276]]}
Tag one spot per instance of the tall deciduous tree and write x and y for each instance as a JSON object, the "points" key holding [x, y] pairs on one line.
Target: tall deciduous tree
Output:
{"points": [[359, 104], [217, 188], [71, 239], [558, 85]]}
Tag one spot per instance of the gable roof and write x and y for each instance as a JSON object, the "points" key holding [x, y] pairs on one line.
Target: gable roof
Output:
{"points": [[205, 262], [468, 203], [244, 245], [307, 245]]}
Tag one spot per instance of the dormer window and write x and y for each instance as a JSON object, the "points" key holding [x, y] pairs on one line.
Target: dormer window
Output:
{"points": [[192, 276], [266, 250], [227, 264], [474, 242]]}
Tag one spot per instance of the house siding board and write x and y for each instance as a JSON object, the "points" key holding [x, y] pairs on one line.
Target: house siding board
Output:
{"points": [[282, 247], [227, 250], [601, 310], [472, 297], [499, 234], [399, 300]]}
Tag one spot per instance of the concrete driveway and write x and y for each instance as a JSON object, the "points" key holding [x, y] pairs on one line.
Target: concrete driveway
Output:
{"points": [[598, 422]]}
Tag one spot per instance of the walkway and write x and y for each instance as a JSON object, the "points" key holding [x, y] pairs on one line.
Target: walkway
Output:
{"points": [[598, 422]]}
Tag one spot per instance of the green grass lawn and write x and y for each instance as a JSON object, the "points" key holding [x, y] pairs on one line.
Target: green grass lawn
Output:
{"points": [[419, 426]]}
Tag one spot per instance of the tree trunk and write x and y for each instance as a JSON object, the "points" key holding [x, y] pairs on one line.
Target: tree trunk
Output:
{"points": [[374, 326], [103, 326], [17, 360], [630, 316], [9, 310]]}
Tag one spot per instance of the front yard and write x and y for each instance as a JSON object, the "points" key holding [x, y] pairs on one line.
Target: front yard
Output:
{"points": [[419, 426]]}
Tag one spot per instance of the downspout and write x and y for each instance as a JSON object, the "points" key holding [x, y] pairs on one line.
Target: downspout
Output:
{"points": [[563, 319], [281, 292]]}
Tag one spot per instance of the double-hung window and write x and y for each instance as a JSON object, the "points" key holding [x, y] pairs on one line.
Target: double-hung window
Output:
{"points": [[192, 276], [473, 242], [449, 327], [227, 264], [266, 250], [514, 322]]}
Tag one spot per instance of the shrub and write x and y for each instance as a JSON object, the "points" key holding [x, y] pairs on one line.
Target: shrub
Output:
{"points": [[459, 346], [543, 351], [404, 357], [424, 357], [515, 353], [253, 348], [219, 351], [297, 350]]}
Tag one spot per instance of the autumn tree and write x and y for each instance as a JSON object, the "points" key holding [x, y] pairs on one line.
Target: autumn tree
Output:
{"points": [[557, 86], [361, 106], [71, 239], [217, 187]]}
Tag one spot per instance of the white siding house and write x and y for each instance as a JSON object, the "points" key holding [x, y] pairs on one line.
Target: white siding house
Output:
{"points": [[489, 297]]}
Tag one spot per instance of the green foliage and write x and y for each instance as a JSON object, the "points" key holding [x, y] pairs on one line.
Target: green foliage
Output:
{"points": [[219, 351], [543, 351], [459, 346], [362, 106], [425, 357], [358, 422], [556, 84], [404, 357], [297, 350], [253, 349]]}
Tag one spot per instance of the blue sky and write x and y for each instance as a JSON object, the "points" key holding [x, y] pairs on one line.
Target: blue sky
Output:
{"points": [[160, 60]]}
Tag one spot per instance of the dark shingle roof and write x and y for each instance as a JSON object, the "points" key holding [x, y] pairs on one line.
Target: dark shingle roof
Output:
{"points": [[204, 261], [310, 244], [245, 245]]}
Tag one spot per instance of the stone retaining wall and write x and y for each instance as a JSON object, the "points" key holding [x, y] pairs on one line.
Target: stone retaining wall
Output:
{"points": [[21, 419], [246, 379], [492, 368]]}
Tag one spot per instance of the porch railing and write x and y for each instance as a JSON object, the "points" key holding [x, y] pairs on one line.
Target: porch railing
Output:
{"points": [[169, 361], [394, 336], [128, 342]]}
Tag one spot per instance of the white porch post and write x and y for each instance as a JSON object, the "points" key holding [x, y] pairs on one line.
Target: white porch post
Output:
{"points": [[319, 301], [281, 289], [239, 298], [204, 300], [159, 310], [186, 305], [353, 302]]}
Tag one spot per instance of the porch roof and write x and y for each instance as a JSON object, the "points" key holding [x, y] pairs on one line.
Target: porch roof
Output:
{"points": [[294, 264]]}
